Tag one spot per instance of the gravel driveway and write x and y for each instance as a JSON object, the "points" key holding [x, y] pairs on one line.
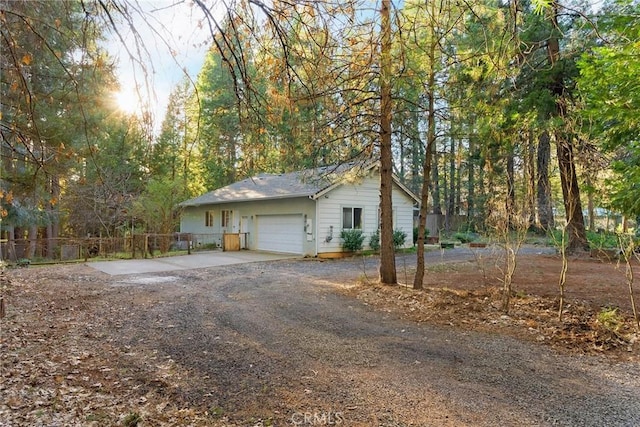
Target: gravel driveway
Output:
{"points": [[274, 344], [278, 341]]}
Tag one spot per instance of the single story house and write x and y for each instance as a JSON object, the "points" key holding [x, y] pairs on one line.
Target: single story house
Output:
{"points": [[299, 212]]}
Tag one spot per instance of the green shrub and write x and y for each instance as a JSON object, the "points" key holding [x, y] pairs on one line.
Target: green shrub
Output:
{"points": [[602, 240], [415, 234], [374, 241], [208, 246], [132, 420], [352, 240], [466, 237], [610, 320], [468, 227], [399, 237]]}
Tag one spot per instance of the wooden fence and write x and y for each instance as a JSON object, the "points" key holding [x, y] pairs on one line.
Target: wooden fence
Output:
{"points": [[27, 251]]}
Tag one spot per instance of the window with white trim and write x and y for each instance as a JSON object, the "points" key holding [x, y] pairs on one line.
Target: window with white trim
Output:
{"points": [[208, 219], [225, 218], [351, 218]]}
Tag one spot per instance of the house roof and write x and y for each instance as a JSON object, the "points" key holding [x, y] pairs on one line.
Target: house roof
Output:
{"points": [[310, 183]]}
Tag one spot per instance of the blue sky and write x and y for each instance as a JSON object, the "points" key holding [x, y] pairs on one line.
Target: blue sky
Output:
{"points": [[168, 28]]}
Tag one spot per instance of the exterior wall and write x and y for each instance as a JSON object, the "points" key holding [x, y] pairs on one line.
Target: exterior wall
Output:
{"points": [[365, 194], [193, 218], [323, 218], [403, 211]]}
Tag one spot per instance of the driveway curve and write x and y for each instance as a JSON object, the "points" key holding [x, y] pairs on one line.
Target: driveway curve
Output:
{"points": [[276, 343]]}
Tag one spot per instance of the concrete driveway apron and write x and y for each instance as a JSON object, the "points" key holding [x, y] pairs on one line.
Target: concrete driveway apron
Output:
{"points": [[185, 262]]}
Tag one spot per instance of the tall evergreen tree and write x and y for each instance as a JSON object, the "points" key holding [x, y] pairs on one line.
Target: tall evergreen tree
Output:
{"points": [[609, 87], [175, 155], [52, 74]]}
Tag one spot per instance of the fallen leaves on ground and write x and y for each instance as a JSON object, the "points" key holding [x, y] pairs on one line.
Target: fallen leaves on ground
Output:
{"points": [[57, 367], [60, 367], [530, 317]]}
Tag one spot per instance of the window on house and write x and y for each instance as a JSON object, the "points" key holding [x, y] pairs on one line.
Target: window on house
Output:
{"points": [[351, 218], [225, 218], [208, 219]]}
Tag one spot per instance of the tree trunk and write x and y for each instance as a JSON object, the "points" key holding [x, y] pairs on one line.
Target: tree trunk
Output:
{"points": [[53, 229], [417, 159], [445, 192], [591, 206], [428, 162], [458, 191], [510, 202], [435, 180], [545, 209], [387, 250], [576, 231], [424, 197], [451, 200], [530, 167], [471, 181], [32, 239], [564, 143], [402, 171]]}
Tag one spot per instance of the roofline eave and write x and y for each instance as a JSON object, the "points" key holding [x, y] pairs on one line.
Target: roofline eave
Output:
{"points": [[257, 199]]}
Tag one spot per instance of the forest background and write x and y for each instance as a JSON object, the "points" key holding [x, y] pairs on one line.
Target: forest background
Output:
{"points": [[525, 110]]}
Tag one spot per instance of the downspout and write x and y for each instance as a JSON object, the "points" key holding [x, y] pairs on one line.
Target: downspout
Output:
{"points": [[316, 225]]}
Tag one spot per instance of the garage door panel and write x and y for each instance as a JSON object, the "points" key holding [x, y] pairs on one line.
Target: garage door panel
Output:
{"points": [[280, 233]]}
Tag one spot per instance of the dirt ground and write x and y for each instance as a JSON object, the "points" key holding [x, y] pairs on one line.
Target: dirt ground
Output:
{"points": [[267, 344], [468, 294]]}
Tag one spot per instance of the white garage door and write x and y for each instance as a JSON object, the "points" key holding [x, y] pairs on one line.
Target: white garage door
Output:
{"points": [[280, 233]]}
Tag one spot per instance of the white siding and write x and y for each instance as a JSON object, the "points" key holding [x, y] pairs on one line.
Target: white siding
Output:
{"points": [[364, 193], [193, 218], [327, 213], [403, 210]]}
